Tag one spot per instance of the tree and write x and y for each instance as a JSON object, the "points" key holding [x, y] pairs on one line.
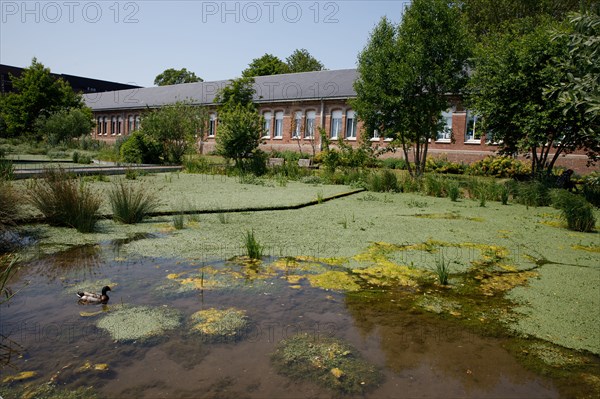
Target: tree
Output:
{"points": [[578, 90], [238, 91], [302, 61], [176, 128], [509, 89], [406, 73], [37, 93], [240, 132], [65, 125], [268, 64], [173, 76]]}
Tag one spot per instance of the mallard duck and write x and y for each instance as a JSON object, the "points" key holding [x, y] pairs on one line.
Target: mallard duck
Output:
{"points": [[91, 297]]}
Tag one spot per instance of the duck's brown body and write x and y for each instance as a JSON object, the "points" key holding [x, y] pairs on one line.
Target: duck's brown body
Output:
{"points": [[93, 298]]}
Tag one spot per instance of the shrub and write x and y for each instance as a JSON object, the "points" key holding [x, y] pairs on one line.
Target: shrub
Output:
{"points": [[575, 210], [384, 181], [394, 163], [65, 201], [9, 212], [254, 249], [591, 189], [533, 193], [130, 203], [434, 185], [7, 169], [179, 221], [499, 166], [442, 165], [139, 148], [453, 191]]}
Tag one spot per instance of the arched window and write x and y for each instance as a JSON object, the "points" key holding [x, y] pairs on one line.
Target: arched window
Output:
{"points": [[279, 124], [130, 124], [137, 122], [99, 126], [336, 124], [350, 125], [267, 117], [212, 125], [309, 131], [298, 125], [120, 125], [113, 125]]}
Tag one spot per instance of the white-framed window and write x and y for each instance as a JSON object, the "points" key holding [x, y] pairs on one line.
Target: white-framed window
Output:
{"points": [[375, 135], [113, 125], [473, 130], [309, 129], [130, 123], [120, 125], [445, 135], [278, 124], [137, 122], [268, 118], [99, 126], [105, 125], [336, 124], [212, 124], [298, 125], [350, 125]]}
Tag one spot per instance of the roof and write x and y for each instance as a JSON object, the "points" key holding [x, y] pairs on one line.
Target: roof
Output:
{"points": [[274, 88]]}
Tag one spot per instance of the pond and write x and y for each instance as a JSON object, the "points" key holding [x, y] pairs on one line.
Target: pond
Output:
{"points": [[402, 352]]}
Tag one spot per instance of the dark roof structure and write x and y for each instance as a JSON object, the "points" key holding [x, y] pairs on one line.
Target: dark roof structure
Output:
{"points": [[273, 88], [78, 83]]}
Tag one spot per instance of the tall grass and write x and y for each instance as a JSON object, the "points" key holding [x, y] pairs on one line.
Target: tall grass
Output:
{"points": [[254, 250], [131, 203], [533, 193], [384, 181], [179, 221], [442, 270], [65, 201], [9, 209], [7, 270], [575, 210]]}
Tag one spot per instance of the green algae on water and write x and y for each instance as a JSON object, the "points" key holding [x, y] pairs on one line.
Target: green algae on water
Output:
{"points": [[328, 362], [220, 325], [132, 323]]}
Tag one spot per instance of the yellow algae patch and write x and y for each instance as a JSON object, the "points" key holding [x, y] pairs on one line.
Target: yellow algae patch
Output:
{"points": [[220, 324], [327, 261], [293, 278], [492, 284], [334, 280], [87, 366], [337, 373], [297, 265], [23, 375], [589, 248], [387, 273], [174, 276]]}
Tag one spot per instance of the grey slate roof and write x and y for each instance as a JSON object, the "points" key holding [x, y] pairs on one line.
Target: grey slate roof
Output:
{"points": [[275, 88]]}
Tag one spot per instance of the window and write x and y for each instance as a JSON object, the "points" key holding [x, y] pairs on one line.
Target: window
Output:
{"points": [[298, 119], [279, 124], [105, 125], [375, 136], [446, 133], [473, 131], [350, 125], [336, 124], [119, 125], [212, 125], [309, 130], [130, 123], [137, 122], [113, 125], [267, 116], [99, 126]]}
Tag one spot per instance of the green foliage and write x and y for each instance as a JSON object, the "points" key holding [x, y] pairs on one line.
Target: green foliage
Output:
{"points": [[591, 189], [383, 181], [36, 94], [442, 269], [179, 221], [238, 92], [442, 165], [175, 128], [254, 250], [64, 125], [65, 201], [7, 168], [406, 72], [7, 269], [140, 148], [131, 203], [240, 132], [575, 210], [173, 76], [532, 193], [453, 191], [10, 210], [301, 61], [268, 64], [499, 166], [394, 163], [513, 70]]}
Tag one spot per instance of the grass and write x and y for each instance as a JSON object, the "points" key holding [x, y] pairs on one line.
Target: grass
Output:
{"points": [[9, 208], [179, 221], [65, 201], [131, 203], [442, 269], [576, 211], [254, 250], [7, 270], [223, 218]]}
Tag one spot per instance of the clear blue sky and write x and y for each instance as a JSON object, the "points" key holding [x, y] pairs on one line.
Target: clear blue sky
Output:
{"points": [[133, 41]]}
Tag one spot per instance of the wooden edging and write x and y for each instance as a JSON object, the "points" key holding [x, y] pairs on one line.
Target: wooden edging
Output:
{"points": [[41, 219]]}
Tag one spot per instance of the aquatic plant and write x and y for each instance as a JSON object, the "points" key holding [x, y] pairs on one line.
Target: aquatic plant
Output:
{"points": [[329, 362], [179, 221], [453, 191], [254, 250], [334, 280], [442, 269], [65, 201], [220, 325], [223, 217], [131, 203], [9, 211], [7, 270], [134, 323], [575, 210]]}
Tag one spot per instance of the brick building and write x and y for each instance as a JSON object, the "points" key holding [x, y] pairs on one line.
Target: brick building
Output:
{"points": [[294, 106]]}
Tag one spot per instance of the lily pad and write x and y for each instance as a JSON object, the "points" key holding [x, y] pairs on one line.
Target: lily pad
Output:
{"points": [[329, 362], [139, 322]]}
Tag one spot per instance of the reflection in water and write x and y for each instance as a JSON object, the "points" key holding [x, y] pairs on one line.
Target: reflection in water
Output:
{"points": [[9, 351]]}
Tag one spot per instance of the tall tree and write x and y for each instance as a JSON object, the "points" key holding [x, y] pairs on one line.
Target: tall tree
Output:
{"points": [[173, 76], [302, 61], [238, 91], [37, 93], [268, 64], [405, 74], [509, 89]]}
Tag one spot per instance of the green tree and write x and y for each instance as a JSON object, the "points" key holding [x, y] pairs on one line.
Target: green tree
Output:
{"points": [[302, 61], [175, 128], [509, 89], [65, 125], [268, 64], [238, 91], [37, 93], [173, 76], [406, 73], [578, 90]]}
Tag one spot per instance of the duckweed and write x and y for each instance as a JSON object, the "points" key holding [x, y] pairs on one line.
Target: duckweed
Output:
{"points": [[219, 325], [328, 362], [334, 280], [131, 323]]}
